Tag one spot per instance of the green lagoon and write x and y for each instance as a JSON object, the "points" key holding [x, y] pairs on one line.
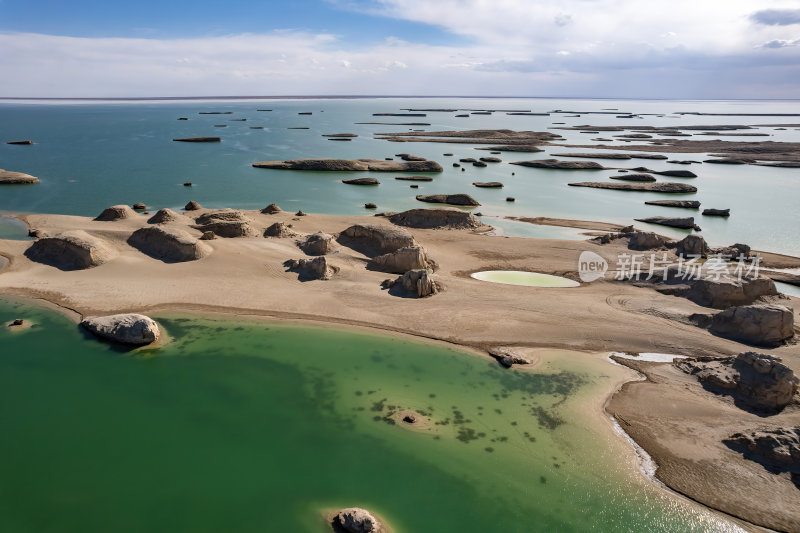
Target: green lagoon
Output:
{"points": [[254, 426]]}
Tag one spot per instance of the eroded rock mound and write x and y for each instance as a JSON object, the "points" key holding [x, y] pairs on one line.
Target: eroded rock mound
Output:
{"points": [[168, 244], [672, 222], [759, 324], [776, 448], [357, 520], [645, 178], [361, 181], [317, 244], [686, 204], [661, 186], [129, 328], [71, 250], [759, 380], [228, 223], [279, 229], [7, 177], [192, 206], [168, 216], [116, 212], [375, 239], [452, 199], [272, 209], [560, 165], [716, 212], [646, 240], [692, 245], [402, 260], [436, 218], [419, 283], [317, 268], [507, 357], [375, 165]]}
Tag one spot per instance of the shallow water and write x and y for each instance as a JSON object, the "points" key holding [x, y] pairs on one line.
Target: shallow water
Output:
{"points": [[93, 155], [527, 279], [243, 426], [14, 229]]}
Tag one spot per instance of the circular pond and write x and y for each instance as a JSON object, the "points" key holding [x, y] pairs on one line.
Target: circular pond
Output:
{"points": [[528, 279]]}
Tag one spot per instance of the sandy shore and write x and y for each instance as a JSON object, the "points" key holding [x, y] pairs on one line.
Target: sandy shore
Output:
{"points": [[246, 276]]}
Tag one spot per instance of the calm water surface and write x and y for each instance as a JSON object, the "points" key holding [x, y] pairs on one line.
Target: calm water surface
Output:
{"points": [[89, 156], [255, 426]]}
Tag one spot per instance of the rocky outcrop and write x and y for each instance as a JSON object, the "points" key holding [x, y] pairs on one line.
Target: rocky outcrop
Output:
{"points": [[687, 204], [228, 223], [436, 218], [131, 328], [758, 380], [414, 178], [560, 165], [488, 184], [409, 157], [192, 206], [374, 239], [374, 165], [308, 269], [490, 159], [692, 245], [507, 357], [168, 216], [116, 212], [280, 230], [451, 199], [415, 282], [661, 186], [168, 244], [71, 250], [8, 177], [272, 209], [716, 212], [643, 178], [672, 222], [677, 173], [402, 260], [198, 140], [758, 324], [646, 240], [361, 181], [777, 449], [317, 244], [357, 520], [25, 142]]}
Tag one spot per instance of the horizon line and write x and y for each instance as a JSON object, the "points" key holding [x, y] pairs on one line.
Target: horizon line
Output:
{"points": [[358, 96]]}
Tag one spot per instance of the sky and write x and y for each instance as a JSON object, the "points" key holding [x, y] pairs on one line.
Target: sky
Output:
{"points": [[722, 49]]}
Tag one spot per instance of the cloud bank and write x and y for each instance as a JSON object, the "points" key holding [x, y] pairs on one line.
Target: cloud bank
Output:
{"points": [[583, 48]]}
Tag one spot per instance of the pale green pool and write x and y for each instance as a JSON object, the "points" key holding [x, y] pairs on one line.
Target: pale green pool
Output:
{"points": [[528, 279]]}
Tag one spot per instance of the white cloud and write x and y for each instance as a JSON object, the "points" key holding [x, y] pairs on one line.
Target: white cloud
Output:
{"points": [[676, 49]]}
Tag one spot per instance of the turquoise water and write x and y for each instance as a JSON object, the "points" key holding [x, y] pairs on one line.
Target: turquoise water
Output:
{"points": [[92, 155], [254, 426]]}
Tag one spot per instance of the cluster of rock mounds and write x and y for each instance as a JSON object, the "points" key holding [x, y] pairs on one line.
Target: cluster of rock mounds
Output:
{"points": [[753, 311], [759, 381], [167, 238]]}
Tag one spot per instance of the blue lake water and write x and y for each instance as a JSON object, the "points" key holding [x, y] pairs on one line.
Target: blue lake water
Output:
{"points": [[91, 155]]}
